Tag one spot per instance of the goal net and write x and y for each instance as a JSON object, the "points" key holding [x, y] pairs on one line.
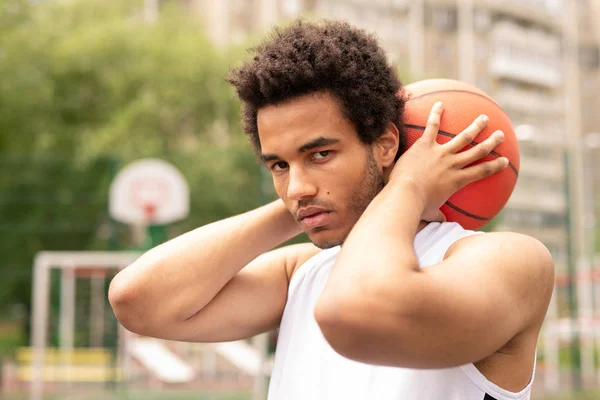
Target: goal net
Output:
{"points": [[79, 350]]}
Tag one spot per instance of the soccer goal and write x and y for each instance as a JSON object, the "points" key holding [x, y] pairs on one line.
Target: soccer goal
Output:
{"points": [[72, 349], [79, 349]]}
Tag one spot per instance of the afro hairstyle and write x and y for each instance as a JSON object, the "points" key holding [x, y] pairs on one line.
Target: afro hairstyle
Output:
{"points": [[328, 56]]}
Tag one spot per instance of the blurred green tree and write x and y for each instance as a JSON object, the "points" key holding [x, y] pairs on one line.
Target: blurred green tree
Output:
{"points": [[88, 86]]}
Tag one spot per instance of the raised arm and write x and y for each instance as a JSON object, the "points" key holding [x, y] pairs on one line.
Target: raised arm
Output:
{"points": [[379, 307], [218, 282]]}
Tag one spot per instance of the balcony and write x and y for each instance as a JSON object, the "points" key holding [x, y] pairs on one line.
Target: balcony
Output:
{"points": [[544, 13], [527, 55], [554, 236], [542, 169], [526, 101], [526, 199], [525, 71]]}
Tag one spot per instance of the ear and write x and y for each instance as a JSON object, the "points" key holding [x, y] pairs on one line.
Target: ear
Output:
{"points": [[386, 147]]}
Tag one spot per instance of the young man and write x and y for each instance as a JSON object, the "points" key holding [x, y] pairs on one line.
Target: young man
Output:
{"points": [[389, 301]]}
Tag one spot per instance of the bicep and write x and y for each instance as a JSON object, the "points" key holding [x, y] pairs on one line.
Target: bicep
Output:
{"points": [[252, 302], [459, 311], [493, 287]]}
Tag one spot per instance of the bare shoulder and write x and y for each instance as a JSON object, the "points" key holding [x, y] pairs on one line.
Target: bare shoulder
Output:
{"points": [[508, 251], [520, 259], [293, 256], [500, 240]]}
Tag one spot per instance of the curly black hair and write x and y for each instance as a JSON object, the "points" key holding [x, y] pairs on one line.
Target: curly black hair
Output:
{"points": [[331, 56]]}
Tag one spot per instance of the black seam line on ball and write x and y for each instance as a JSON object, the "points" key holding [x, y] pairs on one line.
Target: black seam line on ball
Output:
{"points": [[456, 91], [451, 135], [466, 213]]}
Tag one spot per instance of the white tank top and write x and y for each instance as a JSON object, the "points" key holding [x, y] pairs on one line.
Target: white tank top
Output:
{"points": [[307, 368]]}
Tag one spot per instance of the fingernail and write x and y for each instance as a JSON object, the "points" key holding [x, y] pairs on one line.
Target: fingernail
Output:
{"points": [[438, 105], [505, 161], [500, 134], [484, 118]]}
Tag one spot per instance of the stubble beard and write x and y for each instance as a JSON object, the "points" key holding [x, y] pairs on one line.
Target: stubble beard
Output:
{"points": [[366, 188]]}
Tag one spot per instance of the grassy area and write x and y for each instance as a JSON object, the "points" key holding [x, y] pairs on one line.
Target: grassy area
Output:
{"points": [[11, 337], [161, 395], [197, 395]]}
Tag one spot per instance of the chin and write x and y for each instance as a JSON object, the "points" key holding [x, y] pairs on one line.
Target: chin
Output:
{"points": [[327, 245], [324, 241]]}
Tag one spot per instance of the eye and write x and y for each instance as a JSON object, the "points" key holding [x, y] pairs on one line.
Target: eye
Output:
{"points": [[279, 166], [321, 155]]}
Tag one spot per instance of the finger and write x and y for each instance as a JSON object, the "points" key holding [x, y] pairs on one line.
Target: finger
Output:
{"points": [[468, 135], [433, 122], [480, 150], [483, 170]]}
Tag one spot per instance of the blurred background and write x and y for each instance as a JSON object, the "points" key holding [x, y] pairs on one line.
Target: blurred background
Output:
{"points": [[88, 86]]}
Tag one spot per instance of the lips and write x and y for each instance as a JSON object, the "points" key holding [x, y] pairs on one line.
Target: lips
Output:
{"points": [[308, 211], [313, 217]]}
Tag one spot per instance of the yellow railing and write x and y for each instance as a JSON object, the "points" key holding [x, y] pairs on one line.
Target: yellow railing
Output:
{"points": [[76, 365]]}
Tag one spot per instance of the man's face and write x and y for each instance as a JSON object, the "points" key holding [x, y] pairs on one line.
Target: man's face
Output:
{"points": [[321, 170]]}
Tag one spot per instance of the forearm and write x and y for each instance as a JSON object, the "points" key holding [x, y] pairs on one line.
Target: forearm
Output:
{"points": [[379, 252], [178, 278], [364, 300]]}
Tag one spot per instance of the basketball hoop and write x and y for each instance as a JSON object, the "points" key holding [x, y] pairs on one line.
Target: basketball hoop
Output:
{"points": [[149, 191], [149, 211], [148, 195]]}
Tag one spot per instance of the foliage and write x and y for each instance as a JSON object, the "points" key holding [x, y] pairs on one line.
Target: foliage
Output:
{"points": [[597, 241], [88, 86]]}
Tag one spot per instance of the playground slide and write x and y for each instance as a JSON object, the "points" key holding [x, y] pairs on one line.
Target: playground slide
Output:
{"points": [[240, 354], [159, 360]]}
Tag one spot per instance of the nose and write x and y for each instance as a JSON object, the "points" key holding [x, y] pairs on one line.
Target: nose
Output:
{"points": [[300, 185]]}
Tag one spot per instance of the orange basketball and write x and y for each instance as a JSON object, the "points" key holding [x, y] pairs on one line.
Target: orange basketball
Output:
{"points": [[477, 203]]}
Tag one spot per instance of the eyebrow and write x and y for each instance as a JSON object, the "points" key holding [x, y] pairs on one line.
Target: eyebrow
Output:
{"points": [[313, 144]]}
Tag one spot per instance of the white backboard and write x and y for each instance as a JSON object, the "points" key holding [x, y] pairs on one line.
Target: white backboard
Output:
{"points": [[149, 191]]}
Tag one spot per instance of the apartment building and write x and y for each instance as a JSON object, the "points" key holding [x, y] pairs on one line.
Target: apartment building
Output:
{"points": [[512, 49], [589, 57]]}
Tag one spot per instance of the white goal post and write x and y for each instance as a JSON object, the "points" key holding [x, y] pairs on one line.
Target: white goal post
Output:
{"points": [[67, 262], [100, 264]]}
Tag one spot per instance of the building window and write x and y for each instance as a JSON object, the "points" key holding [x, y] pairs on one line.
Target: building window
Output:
{"points": [[589, 57], [481, 51], [481, 20], [443, 19], [444, 52], [533, 219]]}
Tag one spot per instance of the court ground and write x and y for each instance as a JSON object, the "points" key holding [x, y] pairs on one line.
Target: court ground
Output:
{"points": [[157, 395], [168, 395]]}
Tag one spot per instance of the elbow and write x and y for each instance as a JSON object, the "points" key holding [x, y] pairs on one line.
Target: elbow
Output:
{"points": [[357, 327], [126, 302], [338, 326]]}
